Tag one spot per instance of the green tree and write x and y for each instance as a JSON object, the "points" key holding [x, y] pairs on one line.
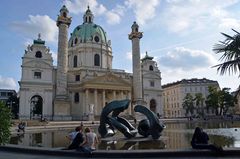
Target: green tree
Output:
{"points": [[5, 123], [188, 104], [212, 100], [199, 101], [220, 100], [227, 100]]}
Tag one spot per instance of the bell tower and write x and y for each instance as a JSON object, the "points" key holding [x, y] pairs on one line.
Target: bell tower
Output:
{"points": [[61, 102]]}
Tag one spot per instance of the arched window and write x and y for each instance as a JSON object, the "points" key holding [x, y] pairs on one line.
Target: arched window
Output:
{"points": [[96, 60], [38, 54], [75, 61], [151, 68], [152, 84], [90, 20], [76, 97], [36, 107], [75, 41], [86, 19]]}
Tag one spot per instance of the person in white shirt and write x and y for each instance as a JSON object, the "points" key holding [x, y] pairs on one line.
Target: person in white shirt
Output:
{"points": [[90, 140]]}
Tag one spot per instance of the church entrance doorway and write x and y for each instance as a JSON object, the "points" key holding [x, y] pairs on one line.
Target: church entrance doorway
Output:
{"points": [[153, 105], [36, 107]]}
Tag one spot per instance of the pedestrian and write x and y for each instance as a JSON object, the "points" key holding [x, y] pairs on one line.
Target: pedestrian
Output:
{"points": [[21, 126]]}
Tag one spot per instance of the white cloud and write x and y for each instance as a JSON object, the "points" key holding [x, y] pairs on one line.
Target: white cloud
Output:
{"points": [[112, 16], [184, 59], [129, 55], [54, 56], [80, 6], [38, 24], [144, 10], [7, 83], [185, 15], [227, 23]]}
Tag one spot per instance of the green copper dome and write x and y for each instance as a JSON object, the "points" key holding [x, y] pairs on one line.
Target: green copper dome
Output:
{"points": [[88, 31]]}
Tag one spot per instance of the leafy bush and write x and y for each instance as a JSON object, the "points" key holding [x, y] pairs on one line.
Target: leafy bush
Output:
{"points": [[5, 123]]}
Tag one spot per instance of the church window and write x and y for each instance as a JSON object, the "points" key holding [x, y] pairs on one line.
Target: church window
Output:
{"points": [[151, 68], [136, 29], [38, 54], [76, 97], [86, 19], [37, 75], [72, 43], [96, 38], [96, 60], [152, 83], [90, 20], [77, 77], [75, 41], [75, 61]]}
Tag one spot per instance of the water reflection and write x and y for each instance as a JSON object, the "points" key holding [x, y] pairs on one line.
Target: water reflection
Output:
{"points": [[175, 136]]}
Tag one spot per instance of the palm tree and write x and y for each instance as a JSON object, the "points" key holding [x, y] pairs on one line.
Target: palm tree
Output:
{"points": [[230, 48]]}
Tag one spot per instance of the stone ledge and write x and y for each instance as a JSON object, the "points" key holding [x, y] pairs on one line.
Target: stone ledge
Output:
{"points": [[191, 153]]}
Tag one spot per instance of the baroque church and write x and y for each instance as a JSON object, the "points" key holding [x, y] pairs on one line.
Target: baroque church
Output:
{"points": [[83, 81]]}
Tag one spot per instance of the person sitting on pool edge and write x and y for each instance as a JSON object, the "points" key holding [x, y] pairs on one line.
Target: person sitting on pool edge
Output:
{"points": [[200, 141], [78, 139]]}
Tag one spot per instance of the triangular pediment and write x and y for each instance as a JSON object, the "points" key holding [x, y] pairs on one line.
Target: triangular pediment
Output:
{"points": [[108, 80]]}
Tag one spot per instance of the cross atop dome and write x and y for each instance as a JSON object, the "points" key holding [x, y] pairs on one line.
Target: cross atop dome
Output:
{"points": [[88, 16]]}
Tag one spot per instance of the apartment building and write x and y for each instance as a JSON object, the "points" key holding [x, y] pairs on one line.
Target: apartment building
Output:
{"points": [[174, 93]]}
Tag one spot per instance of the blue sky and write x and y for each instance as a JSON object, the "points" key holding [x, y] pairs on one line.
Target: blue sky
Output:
{"points": [[179, 34]]}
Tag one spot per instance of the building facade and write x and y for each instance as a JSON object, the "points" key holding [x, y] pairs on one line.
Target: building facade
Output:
{"points": [[6, 93], [83, 81], [174, 94]]}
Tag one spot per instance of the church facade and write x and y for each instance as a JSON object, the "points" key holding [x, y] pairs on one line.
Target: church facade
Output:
{"points": [[83, 81]]}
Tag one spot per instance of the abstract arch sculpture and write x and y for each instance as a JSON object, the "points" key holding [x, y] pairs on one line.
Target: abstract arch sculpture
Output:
{"points": [[108, 123]]}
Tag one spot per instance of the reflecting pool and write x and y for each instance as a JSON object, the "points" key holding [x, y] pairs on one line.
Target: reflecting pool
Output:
{"points": [[175, 136]]}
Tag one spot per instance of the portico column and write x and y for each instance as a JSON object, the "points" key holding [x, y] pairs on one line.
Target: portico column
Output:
{"points": [[86, 106], [95, 101], [114, 95], [103, 98], [122, 95]]}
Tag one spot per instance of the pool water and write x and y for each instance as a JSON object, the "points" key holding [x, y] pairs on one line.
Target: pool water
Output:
{"points": [[175, 136]]}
